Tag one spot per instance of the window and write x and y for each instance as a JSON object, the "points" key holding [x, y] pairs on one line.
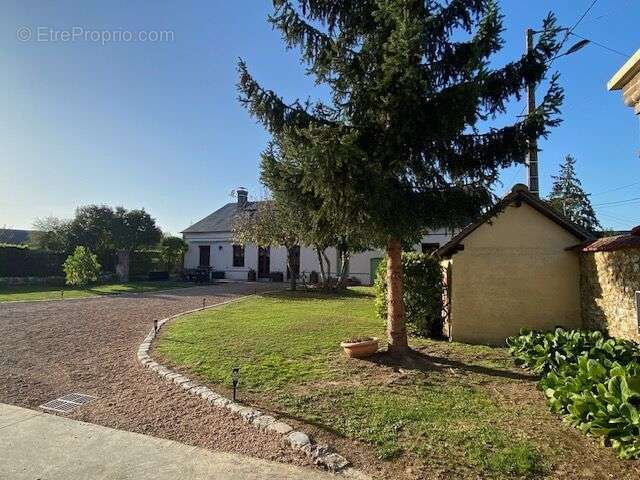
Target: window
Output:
{"points": [[238, 256], [430, 247]]}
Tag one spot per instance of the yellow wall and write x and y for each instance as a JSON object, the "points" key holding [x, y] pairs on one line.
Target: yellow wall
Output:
{"points": [[514, 273]]}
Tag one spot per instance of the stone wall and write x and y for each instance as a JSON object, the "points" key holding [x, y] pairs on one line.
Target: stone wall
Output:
{"points": [[608, 282]]}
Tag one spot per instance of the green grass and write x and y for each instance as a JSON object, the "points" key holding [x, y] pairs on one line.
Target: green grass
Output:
{"points": [[287, 348], [44, 292]]}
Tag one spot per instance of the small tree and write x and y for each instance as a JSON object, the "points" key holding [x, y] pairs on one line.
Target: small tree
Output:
{"points": [[423, 289], [133, 229], [173, 250], [320, 228], [52, 234], [270, 223], [568, 197], [81, 267]]}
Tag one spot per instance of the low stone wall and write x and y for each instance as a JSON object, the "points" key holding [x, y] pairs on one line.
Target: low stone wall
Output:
{"points": [[608, 282]]}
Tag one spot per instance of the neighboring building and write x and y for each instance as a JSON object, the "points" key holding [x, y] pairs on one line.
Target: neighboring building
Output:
{"points": [[513, 268], [15, 237], [627, 79], [610, 284], [211, 244]]}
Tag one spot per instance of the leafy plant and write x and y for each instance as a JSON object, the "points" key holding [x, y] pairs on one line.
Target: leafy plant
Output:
{"points": [[544, 352], [173, 250], [423, 290], [81, 267], [590, 379]]}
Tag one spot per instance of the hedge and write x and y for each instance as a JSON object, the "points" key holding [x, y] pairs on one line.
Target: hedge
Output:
{"points": [[20, 261], [16, 261], [423, 290]]}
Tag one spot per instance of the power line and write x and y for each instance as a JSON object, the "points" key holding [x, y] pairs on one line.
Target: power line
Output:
{"points": [[618, 202], [586, 12], [616, 189], [566, 37], [601, 45]]}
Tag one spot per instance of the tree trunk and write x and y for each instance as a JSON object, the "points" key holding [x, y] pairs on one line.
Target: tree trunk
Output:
{"points": [[344, 260], [320, 261], [396, 328], [328, 284], [292, 275]]}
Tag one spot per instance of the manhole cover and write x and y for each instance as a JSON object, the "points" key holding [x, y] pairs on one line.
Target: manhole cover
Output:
{"points": [[67, 403]]}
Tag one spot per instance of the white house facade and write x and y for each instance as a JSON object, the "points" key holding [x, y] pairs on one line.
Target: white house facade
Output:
{"points": [[211, 244]]}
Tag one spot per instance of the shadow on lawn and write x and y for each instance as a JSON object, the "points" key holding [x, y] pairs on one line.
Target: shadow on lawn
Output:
{"points": [[316, 294], [417, 360]]}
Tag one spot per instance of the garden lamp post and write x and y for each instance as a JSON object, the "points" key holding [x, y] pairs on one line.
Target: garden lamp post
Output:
{"points": [[235, 374]]}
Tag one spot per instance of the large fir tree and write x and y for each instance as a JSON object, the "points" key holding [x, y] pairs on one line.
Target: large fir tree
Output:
{"points": [[399, 145], [569, 198]]}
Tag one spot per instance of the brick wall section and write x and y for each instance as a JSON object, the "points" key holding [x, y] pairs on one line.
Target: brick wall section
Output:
{"points": [[608, 282]]}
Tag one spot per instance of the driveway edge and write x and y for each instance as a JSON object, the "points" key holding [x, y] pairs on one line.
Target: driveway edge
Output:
{"points": [[320, 454]]}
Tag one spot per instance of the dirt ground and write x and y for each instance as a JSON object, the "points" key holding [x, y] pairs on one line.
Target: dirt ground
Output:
{"points": [[48, 349]]}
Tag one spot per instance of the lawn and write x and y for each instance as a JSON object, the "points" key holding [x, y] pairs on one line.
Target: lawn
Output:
{"points": [[46, 292], [449, 411]]}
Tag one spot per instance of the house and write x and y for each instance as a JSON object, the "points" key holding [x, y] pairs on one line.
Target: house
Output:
{"points": [[211, 244], [513, 268], [627, 79], [610, 284]]}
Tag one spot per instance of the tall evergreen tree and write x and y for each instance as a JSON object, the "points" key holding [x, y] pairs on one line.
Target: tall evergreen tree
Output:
{"points": [[398, 146], [569, 198]]}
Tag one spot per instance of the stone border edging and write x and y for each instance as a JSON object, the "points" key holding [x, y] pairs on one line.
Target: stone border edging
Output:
{"points": [[320, 454]]}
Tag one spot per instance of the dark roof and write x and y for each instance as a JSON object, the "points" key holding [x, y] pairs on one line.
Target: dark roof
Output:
{"points": [[219, 221], [15, 237], [519, 193], [616, 242]]}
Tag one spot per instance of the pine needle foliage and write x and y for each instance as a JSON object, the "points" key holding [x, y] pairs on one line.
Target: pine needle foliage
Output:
{"points": [[570, 199]]}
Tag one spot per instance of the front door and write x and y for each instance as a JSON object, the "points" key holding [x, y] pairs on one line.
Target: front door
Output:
{"points": [[264, 262], [205, 256]]}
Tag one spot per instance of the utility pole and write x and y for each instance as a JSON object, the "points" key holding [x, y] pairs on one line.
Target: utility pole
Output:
{"points": [[532, 154]]}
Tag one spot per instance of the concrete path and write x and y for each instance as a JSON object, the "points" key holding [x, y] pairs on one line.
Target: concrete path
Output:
{"points": [[36, 445]]}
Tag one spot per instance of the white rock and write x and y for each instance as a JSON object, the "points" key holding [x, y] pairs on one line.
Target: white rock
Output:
{"points": [[280, 428], [298, 439]]}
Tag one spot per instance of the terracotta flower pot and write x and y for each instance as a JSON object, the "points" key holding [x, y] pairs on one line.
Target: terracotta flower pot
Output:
{"points": [[360, 349]]}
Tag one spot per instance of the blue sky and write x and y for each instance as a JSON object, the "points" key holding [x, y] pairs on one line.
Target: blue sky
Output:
{"points": [[156, 124]]}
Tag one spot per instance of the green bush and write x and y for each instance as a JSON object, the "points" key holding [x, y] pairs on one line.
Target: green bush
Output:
{"points": [[81, 267], [592, 380], [423, 290], [544, 352]]}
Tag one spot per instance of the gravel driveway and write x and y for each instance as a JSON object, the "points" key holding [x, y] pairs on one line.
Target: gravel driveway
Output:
{"points": [[48, 349]]}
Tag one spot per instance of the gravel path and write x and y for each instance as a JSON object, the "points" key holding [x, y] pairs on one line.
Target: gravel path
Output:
{"points": [[48, 349]]}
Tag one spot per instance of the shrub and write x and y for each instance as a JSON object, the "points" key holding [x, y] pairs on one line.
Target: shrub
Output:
{"points": [[544, 352], [172, 253], [423, 290], [592, 380], [81, 267], [21, 261]]}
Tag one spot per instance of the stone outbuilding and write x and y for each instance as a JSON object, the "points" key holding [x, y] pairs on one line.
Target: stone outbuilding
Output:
{"points": [[516, 267], [610, 284]]}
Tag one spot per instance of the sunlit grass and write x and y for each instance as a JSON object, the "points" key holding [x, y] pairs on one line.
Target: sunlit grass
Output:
{"points": [[59, 292], [287, 348]]}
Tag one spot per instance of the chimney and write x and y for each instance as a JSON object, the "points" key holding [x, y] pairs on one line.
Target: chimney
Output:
{"points": [[243, 194]]}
